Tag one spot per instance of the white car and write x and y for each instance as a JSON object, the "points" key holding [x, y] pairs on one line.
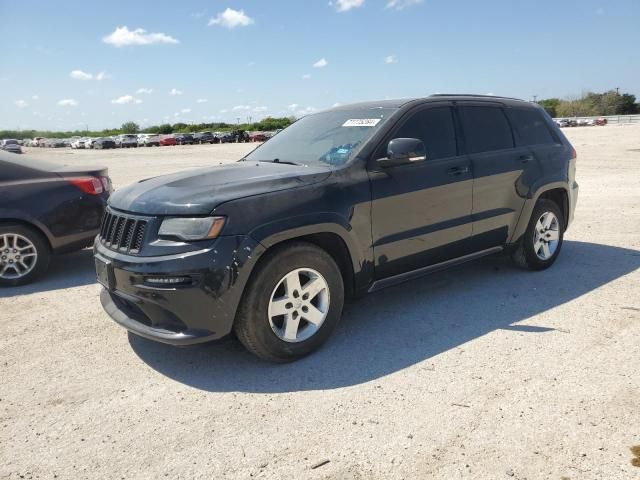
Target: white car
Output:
{"points": [[127, 140], [78, 143], [148, 140]]}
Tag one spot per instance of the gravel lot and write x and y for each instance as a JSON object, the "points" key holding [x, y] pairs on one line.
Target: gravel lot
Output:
{"points": [[484, 371]]}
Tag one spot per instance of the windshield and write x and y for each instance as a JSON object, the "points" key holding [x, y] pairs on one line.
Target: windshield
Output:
{"points": [[329, 137]]}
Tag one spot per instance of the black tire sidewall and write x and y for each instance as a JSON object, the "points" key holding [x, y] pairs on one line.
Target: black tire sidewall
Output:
{"points": [[42, 248], [254, 309], [532, 259]]}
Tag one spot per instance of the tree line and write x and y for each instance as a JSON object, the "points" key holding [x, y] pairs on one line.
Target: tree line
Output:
{"points": [[267, 124], [592, 105]]}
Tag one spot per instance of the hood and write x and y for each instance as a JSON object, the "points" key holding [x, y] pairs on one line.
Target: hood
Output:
{"points": [[198, 192]]}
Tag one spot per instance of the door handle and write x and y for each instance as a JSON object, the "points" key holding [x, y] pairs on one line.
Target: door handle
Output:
{"points": [[458, 170], [526, 158]]}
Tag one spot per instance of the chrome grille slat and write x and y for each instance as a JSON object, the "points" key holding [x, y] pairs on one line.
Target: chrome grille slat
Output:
{"points": [[122, 232]]}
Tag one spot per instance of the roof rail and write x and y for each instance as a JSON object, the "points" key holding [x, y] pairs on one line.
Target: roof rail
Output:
{"points": [[472, 95]]}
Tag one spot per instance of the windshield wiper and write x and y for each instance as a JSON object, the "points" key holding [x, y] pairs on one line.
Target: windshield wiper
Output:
{"points": [[277, 160]]}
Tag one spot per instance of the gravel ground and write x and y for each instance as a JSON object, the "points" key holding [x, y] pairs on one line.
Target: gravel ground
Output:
{"points": [[484, 371]]}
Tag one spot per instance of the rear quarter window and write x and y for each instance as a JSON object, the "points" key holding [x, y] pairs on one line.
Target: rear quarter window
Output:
{"points": [[486, 129], [531, 127]]}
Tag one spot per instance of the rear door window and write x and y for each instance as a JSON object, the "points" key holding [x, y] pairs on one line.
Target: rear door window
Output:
{"points": [[531, 126], [435, 127], [486, 128]]}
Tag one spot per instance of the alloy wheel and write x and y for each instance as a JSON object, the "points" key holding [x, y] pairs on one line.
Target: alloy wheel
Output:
{"points": [[18, 256], [546, 236], [299, 305]]}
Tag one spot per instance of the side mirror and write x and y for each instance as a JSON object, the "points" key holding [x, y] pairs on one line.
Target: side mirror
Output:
{"points": [[402, 151]]}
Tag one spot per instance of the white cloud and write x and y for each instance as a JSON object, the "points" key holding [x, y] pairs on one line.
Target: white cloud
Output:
{"points": [[231, 18], [346, 5], [202, 100], [80, 75], [402, 4], [123, 100], [390, 59], [144, 90], [185, 110], [300, 111], [321, 63], [224, 110], [122, 37], [35, 97], [68, 102], [175, 91], [306, 76], [259, 109], [238, 108], [21, 104]]}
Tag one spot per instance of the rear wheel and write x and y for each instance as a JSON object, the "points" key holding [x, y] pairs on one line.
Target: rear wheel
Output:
{"points": [[540, 245], [292, 304], [24, 255]]}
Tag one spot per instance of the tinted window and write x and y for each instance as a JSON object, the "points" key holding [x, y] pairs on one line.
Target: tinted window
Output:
{"points": [[434, 126], [485, 129], [531, 126]]}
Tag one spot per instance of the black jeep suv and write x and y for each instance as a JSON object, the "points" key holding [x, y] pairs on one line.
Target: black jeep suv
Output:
{"points": [[342, 202]]}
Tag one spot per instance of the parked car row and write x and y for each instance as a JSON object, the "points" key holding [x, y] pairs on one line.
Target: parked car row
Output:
{"points": [[583, 122], [148, 140]]}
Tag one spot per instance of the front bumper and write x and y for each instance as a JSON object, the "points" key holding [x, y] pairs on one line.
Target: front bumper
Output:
{"points": [[200, 311]]}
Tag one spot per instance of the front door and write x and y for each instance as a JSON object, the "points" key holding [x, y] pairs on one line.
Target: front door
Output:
{"points": [[421, 212]]}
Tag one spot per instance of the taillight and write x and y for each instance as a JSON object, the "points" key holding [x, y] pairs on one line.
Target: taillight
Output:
{"points": [[90, 185], [574, 154], [106, 183]]}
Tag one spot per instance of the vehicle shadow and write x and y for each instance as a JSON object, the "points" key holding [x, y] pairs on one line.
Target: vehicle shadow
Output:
{"points": [[65, 271], [404, 325]]}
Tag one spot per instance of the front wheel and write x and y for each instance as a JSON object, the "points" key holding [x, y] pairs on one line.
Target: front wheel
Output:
{"points": [[24, 255], [540, 245], [292, 304]]}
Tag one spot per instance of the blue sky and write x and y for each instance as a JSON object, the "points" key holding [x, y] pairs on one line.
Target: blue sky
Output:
{"points": [[71, 64]]}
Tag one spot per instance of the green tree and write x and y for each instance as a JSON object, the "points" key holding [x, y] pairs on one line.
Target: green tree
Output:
{"points": [[130, 127], [550, 105], [628, 105], [165, 129]]}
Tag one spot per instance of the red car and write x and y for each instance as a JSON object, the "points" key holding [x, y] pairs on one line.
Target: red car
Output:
{"points": [[167, 140]]}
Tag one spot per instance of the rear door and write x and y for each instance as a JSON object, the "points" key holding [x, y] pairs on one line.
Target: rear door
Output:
{"points": [[421, 212], [498, 164]]}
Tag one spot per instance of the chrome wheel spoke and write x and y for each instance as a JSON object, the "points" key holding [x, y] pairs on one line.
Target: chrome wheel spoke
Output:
{"points": [[313, 288], [279, 306], [553, 235], [313, 315], [290, 327], [292, 283]]}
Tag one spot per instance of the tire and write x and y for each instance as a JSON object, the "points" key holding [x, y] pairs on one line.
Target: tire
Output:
{"points": [[40, 248], [527, 254], [262, 335]]}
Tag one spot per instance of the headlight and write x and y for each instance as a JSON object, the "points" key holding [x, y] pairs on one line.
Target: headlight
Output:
{"points": [[191, 228]]}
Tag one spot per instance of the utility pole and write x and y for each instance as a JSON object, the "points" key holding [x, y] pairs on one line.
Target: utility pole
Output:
{"points": [[535, 98], [617, 90]]}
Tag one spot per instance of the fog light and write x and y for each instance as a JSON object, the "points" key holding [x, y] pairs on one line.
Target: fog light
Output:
{"points": [[167, 280]]}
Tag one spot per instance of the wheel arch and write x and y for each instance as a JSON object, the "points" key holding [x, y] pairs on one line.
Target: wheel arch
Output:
{"points": [[557, 192], [332, 238], [21, 221]]}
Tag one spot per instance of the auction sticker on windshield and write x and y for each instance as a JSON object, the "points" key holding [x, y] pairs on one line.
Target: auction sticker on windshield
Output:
{"points": [[361, 122]]}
